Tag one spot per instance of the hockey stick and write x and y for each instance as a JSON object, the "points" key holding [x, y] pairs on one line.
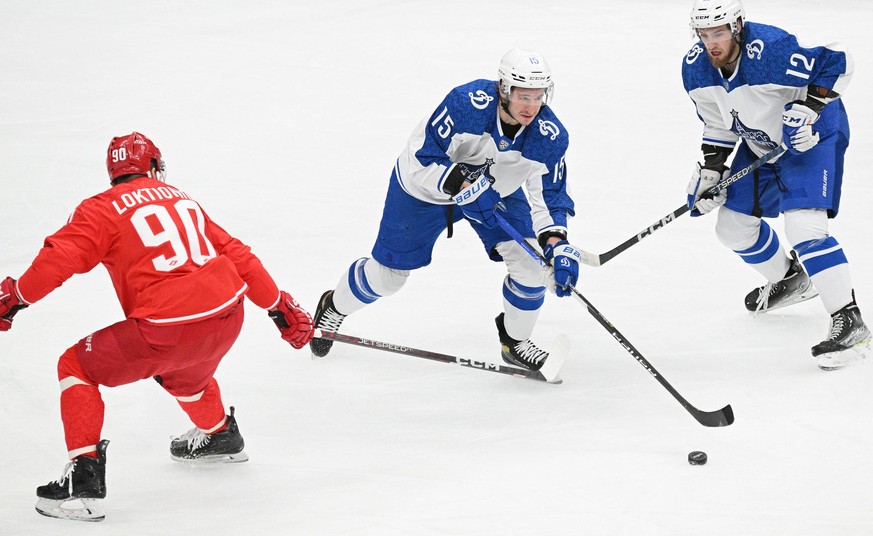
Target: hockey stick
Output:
{"points": [[722, 417], [548, 374], [593, 259]]}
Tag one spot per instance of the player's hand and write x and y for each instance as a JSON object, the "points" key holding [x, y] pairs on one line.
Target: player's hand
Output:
{"points": [[702, 180], [9, 303], [564, 259], [294, 323], [797, 133], [478, 201]]}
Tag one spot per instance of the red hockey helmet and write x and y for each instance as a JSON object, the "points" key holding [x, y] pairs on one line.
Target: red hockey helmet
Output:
{"points": [[132, 154]]}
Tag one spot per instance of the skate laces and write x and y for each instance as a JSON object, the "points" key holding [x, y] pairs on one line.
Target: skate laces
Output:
{"points": [[68, 476], [529, 352], [195, 438], [764, 295], [331, 320], [838, 323]]}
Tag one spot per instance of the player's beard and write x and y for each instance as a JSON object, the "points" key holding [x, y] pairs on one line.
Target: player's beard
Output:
{"points": [[733, 54]]}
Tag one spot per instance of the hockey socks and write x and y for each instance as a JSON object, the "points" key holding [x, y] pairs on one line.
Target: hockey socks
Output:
{"points": [[205, 409], [81, 407]]}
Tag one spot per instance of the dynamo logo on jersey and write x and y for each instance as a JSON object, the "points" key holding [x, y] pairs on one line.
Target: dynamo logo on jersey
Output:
{"points": [[480, 100], [755, 49], [693, 54], [757, 136], [547, 128]]}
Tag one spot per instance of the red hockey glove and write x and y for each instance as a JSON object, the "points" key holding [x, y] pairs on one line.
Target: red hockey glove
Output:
{"points": [[9, 303], [293, 321]]}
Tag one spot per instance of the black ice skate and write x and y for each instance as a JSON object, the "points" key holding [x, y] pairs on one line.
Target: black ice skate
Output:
{"points": [[795, 287], [83, 481], [223, 447], [327, 318], [848, 342], [522, 354]]}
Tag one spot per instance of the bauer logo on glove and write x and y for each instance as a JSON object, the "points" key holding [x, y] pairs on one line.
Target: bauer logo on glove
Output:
{"points": [[565, 262]]}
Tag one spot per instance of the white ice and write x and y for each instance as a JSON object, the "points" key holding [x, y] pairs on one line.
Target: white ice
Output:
{"points": [[284, 122]]}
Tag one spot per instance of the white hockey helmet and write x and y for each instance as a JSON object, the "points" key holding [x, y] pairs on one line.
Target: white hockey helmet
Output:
{"points": [[523, 68], [714, 13]]}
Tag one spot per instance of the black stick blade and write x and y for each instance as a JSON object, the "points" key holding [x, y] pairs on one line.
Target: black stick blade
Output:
{"points": [[714, 419]]}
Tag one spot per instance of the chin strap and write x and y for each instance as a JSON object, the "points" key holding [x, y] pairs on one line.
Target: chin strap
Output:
{"points": [[504, 105]]}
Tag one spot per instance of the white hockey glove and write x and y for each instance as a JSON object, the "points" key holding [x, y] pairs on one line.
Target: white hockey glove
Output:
{"points": [[703, 179], [797, 134]]}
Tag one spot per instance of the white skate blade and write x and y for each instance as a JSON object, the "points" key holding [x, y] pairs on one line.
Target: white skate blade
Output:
{"points": [[551, 370], [74, 509], [239, 457], [842, 359]]}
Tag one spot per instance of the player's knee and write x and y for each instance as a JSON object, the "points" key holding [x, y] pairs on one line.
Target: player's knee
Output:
{"points": [[805, 225], [383, 280], [521, 266], [70, 371], [737, 231]]}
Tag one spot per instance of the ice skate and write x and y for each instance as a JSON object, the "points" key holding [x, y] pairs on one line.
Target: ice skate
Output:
{"points": [[327, 318], [848, 342], [524, 354], [223, 447], [795, 287], [80, 491]]}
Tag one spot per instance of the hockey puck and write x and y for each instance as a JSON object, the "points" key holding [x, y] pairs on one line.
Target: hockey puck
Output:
{"points": [[697, 457]]}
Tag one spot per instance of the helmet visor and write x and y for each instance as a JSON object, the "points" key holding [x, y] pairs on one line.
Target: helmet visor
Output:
{"points": [[714, 35], [531, 96]]}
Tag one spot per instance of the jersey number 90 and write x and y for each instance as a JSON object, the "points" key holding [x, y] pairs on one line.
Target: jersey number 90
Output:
{"points": [[196, 247]]}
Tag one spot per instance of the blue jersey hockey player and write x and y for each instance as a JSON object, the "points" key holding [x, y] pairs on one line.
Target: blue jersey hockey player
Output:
{"points": [[469, 158], [754, 84]]}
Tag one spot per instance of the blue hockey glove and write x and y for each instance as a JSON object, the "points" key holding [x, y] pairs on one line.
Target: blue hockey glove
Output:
{"points": [[797, 133], [564, 259], [702, 180], [479, 201]]}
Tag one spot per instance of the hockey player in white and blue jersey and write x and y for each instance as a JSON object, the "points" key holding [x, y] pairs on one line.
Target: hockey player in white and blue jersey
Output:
{"points": [[469, 158], [756, 84]]}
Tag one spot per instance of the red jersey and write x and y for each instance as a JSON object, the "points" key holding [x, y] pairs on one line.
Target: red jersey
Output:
{"points": [[169, 263]]}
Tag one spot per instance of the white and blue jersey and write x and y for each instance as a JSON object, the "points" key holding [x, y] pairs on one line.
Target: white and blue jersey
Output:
{"points": [[773, 69], [465, 128]]}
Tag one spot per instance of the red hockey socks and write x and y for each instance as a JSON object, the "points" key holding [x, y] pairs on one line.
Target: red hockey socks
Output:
{"points": [[81, 407], [205, 409]]}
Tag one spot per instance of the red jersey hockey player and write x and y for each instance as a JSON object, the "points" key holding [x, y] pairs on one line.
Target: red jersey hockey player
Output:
{"points": [[181, 280]]}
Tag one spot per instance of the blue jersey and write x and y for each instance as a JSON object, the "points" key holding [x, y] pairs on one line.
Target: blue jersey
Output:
{"points": [[773, 69], [465, 127]]}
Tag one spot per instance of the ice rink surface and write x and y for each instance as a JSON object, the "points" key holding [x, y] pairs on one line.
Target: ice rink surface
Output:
{"points": [[284, 122]]}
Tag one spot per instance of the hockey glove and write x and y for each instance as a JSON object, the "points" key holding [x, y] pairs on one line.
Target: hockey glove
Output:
{"points": [[564, 259], [699, 201], [797, 133], [293, 321], [479, 200], [10, 303]]}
